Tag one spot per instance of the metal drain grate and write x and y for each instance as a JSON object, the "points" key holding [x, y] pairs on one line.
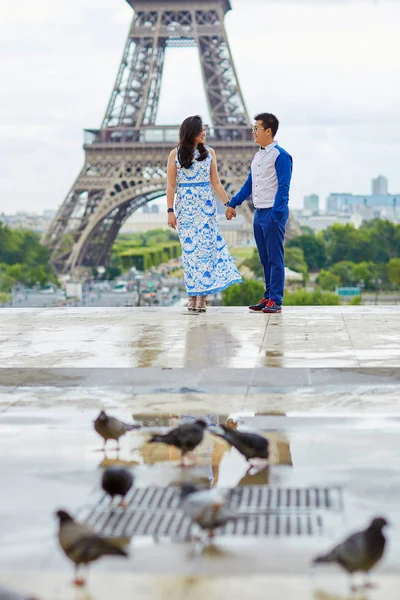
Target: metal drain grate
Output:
{"points": [[267, 511], [254, 497], [177, 527], [282, 499]]}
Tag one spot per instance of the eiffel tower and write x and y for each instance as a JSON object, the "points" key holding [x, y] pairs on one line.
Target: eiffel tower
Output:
{"points": [[125, 160]]}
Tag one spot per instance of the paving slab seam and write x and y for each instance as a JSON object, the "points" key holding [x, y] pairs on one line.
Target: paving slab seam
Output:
{"points": [[347, 330], [265, 333]]}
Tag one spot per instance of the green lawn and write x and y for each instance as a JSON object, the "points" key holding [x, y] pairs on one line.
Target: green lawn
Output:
{"points": [[241, 253]]}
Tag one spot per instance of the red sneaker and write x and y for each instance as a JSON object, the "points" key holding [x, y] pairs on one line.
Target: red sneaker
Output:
{"points": [[272, 307], [258, 307]]}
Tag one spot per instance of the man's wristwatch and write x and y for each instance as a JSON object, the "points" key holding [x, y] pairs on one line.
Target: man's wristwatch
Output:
{"points": [[226, 203], [170, 210]]}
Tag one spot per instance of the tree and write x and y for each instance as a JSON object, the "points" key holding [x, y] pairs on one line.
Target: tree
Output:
{"points": [[384, 239], [328, 280], [313, 248], [6, 282], [37, 275], [305, 230], [114, 267], [24, 259], [340, 243], [15, 271], [380, 277], [294, 259], [363, 272], [8, 244], [375, 241], [243, 294], [344, 270], [394, 271], [317, 298], [254, 264]]}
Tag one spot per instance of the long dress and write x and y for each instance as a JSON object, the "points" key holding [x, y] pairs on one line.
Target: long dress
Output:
{"points": [[207, 263]]}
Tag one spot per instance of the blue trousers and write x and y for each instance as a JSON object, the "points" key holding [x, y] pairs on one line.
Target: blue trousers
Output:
{"points": [[269, 234]]}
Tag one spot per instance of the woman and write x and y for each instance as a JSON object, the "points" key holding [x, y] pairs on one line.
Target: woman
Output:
{"points": [[192, 171]]}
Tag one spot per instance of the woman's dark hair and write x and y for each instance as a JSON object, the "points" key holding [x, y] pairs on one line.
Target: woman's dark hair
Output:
{"points": [[189, 130]]}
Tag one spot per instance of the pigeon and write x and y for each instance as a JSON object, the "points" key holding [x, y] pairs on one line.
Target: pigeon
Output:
{"points": [[111, 428], [359, 552], [206, 507], [117, 481], [185, 437], [251, 445], [82, 545], [6, 594]]}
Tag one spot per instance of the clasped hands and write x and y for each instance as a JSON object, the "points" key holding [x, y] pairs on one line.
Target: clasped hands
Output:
{"points": [[230, 213]]}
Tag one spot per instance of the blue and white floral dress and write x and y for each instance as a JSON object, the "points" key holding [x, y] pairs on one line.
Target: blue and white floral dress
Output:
{"points": [[207, 264]]}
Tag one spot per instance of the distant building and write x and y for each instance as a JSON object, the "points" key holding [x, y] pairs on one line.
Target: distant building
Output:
{"points": [[145, 221], [311, 203], [49, 214], [321, 222], [31, 221], [380, 186], [237, 232], [152, 208], [337, 203]]}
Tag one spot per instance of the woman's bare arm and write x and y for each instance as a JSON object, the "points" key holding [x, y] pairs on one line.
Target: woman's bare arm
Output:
{"points": [[171, 187], [171, 179], [215, 180]]}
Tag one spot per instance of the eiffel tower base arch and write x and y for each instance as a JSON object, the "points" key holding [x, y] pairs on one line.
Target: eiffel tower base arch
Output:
{"points": [[113, 184], [125, 160]]}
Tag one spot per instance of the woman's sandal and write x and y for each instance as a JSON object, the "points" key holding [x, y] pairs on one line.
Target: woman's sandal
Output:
{"points": [[192, 303], [201, 303]]}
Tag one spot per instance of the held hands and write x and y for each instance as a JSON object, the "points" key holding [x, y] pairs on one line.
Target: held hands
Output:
{"points": [[230, 213], [172, 220]]}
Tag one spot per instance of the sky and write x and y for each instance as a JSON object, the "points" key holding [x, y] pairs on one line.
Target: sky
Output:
{"points": [[329, 69]]}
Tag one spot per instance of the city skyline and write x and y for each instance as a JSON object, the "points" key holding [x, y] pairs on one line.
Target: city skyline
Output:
{"points": [[154, 205], [340, 129]]}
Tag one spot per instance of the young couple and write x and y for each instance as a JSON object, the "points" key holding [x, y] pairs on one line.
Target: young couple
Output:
{"points": [[193, 175]]}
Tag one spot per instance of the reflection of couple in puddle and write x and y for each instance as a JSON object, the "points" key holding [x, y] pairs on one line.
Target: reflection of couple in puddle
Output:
{"points": [[230, 469], [323, 595], [224, 466]]}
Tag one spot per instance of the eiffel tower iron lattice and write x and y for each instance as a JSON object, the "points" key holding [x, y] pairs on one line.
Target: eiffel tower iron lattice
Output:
{"points": [[125, 160]]}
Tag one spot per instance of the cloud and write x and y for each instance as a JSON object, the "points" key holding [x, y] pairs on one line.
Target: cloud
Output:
{"points": [[329, 69]]}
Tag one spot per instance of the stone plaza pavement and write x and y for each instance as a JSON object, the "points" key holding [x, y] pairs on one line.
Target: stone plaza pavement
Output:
{"points": [[322, 383]]}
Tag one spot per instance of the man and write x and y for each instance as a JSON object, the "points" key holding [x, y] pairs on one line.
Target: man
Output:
{"points": [[268, 183]]}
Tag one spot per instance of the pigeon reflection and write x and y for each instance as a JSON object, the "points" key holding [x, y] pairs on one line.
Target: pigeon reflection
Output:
{"points": [[82, 593], [224, 465], [116, 462], [322, 595], [7, 594]]}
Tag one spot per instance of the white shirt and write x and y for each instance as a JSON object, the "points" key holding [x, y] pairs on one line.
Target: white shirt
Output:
{"points": [[264, 176]]}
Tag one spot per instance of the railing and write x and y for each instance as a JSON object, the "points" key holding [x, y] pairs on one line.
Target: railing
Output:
{"points": [[141, 4], [162, 135]]}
